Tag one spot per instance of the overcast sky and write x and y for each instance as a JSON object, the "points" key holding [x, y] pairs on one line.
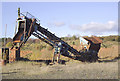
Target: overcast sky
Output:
{"points": [[66, 18]]}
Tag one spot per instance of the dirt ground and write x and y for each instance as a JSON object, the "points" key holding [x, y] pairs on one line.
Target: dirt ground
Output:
{"points": [[70, 70], [105, 68], [109, 53]]}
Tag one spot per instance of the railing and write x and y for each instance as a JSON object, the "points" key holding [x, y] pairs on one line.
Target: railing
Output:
{"points": [[30, 16]]}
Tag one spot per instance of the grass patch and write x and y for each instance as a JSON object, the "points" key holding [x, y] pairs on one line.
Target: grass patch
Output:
{"points": [[109, 43]]}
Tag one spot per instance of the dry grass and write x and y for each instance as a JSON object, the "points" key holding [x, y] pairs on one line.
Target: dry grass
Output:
{"points": [[73, 70], [44, 54]]}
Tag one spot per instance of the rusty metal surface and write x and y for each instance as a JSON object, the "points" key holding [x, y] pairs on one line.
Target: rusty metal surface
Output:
{"points": [[94, 39], [94, 43], [18, 36], [14, 55], [95, 47]]}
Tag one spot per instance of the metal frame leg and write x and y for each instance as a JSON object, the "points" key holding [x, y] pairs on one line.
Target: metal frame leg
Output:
{"points": [[53, 58], [58, 58]]}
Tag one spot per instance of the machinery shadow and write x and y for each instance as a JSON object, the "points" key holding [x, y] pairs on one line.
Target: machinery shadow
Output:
{"points": [[88, 57], [85, 58], [47, 62], [9, 73], [112, 60]]}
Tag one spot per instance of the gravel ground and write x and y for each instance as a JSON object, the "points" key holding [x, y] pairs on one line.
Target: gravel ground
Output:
{"points": [[70, 70]]}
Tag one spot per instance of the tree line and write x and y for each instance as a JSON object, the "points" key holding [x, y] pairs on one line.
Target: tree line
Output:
{"points": [[31, 40]]}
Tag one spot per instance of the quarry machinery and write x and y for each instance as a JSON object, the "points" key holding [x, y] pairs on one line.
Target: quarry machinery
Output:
{"points": [[29, 25]]}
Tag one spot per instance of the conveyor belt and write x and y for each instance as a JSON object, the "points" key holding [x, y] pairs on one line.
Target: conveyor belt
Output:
{"points": [[47, 36]]}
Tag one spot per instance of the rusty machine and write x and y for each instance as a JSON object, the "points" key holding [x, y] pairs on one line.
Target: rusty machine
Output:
{"points": [[28, 25]]}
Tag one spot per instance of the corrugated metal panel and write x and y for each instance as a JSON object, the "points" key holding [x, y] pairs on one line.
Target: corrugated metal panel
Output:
{"points": [[93, 39]]}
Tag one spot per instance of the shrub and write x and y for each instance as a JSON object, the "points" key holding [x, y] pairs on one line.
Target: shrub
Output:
{"points": [[40, 47], [49, 47], [117, 39], [9, 44], [73, 37], [73, 43]]}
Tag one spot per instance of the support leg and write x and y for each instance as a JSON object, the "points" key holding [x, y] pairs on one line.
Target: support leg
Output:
{"points": [[53, 59], [58, 58]]}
